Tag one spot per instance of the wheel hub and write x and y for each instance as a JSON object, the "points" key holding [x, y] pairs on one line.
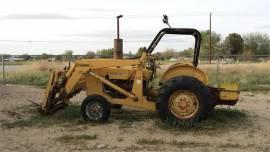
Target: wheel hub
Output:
{"points": [[94, 111], [183, 104]]}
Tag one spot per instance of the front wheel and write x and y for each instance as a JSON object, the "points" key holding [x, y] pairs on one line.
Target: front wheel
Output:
{"points": [[183, 100], [95, 108]]}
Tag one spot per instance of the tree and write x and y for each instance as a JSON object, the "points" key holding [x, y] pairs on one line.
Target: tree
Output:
{"points": [[130, 54], [187, 52], [26, 57], [234, 44], [205, 45], [169, 53], [68, 54], [257, 44], [140, 51], [105, 53], [90, 55], [44, 56]]}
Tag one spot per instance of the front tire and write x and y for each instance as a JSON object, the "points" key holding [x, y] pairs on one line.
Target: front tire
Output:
{"points": [[183, 100], [95, 108]]}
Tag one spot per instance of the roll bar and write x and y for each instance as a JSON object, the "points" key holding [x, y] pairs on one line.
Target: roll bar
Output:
{"points": [[180, 31]]}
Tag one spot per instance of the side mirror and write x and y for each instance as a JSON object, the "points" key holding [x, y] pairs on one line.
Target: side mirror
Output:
{"points": [[166, 20]]}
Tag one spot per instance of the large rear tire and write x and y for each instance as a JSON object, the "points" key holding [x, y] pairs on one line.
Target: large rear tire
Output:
{"points": [[95, 108], [183, 100]]}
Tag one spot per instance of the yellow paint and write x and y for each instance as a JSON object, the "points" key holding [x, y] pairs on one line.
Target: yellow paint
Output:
{"points": [[184, 70], [228, 92]]}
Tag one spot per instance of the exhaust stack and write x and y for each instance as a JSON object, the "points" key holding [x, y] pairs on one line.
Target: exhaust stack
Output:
{"points": [[118, 43]]}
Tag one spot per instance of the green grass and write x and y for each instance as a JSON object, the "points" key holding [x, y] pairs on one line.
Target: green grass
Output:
{"points": [[36, 78]]}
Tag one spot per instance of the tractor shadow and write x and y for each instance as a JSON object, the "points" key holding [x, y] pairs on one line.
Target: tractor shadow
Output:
{"points": [[221, 118]]}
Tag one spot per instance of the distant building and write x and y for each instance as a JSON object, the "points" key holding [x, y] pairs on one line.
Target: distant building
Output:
{"points": [[14, 58], [52, 59], [172, 59]]}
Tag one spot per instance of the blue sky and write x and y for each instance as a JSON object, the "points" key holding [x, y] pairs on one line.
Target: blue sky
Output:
{"points": [[53, 26]]}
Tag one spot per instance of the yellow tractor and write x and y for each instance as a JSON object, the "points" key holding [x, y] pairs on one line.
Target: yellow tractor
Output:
{"points": [[182, 96]]}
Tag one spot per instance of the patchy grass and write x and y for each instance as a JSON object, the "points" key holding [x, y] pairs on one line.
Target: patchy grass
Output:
{"points": [[72, 138], [188, 143], [181, 144], [185, 144], [221, 119], [69, 116], [235, 145], [145, 141], [134, 148]]}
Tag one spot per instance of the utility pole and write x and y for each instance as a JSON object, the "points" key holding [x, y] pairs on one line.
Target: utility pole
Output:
{"points": [[3, 66], [210, 39], [118, 43]]}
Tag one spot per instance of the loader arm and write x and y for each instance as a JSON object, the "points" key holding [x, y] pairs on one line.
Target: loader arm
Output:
{"points": [[63, 85]]}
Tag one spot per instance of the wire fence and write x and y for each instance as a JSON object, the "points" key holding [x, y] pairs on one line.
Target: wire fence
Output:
{"points": [[251, 72]]}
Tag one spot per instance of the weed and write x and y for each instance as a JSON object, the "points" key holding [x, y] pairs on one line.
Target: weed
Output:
{"points": [[145, 141], [119, 139], [72, 138], [188, 143]]}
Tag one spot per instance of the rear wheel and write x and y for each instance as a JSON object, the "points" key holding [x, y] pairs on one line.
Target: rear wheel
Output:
{"points": [[183, 100], [95, 108]]}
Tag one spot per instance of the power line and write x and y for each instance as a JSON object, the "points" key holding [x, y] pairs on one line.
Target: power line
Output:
{"points": [[131, 41]]}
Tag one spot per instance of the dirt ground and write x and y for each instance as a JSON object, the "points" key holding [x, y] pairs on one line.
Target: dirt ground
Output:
{"points": [[245, 127]]}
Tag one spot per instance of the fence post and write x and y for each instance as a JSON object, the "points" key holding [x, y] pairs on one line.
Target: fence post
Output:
{"points": [[217, 74], [3, 66]]}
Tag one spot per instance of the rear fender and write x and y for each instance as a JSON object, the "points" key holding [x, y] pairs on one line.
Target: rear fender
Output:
{"points": [[179, 69]]}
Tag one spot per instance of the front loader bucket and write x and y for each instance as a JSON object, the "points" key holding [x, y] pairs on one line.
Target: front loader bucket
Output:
{"points": [[50, 104]]}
